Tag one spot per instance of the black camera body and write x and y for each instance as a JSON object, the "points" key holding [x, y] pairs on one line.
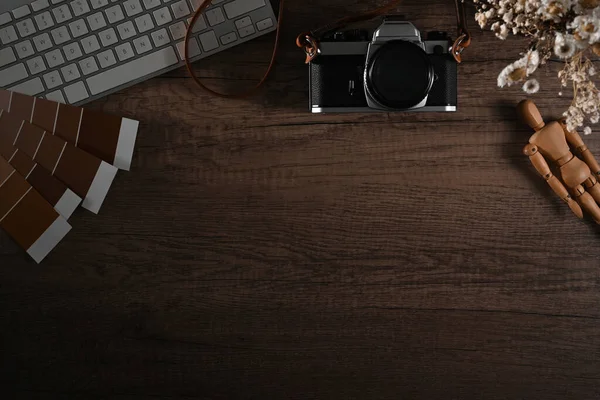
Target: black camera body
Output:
{"points": [[395, 71]]}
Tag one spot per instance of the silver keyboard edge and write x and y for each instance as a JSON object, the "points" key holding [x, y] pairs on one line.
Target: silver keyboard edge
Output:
{"points": [[222, 47]]}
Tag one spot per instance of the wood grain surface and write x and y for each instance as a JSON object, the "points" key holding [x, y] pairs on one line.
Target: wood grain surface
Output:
{"points": [[256, 251]]}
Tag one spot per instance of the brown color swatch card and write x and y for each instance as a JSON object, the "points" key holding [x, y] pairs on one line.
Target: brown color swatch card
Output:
{"points": [[63, 199], [108, 137], [86, 175], [24, 214]]}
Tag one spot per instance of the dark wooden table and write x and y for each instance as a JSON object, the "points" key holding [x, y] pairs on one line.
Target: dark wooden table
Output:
{"points": [[256, 251]]}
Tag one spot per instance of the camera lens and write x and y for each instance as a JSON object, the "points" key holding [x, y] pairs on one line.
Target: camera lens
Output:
{"points": [[399, 75]]}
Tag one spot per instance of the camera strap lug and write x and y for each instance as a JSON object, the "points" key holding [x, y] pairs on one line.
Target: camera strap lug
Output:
{"points": [[309, 41]]}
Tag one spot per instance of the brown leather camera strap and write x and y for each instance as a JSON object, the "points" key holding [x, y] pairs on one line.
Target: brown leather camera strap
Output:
{"points": [[244, 93], [309, 41]]}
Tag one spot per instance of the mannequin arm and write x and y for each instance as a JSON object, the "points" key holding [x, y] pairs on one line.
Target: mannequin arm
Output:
{"points": [[543, 169], [581, 149]]}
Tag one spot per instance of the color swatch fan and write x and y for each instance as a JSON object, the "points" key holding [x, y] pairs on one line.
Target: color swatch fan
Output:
{"points": [[54, 158]]}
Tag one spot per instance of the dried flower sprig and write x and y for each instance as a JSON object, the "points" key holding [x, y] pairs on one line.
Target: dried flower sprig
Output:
{"points": [[567, 29]]}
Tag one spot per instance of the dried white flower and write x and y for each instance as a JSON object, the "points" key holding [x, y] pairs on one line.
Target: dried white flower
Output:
{"points": [[532, 6], [519, 6], [520, 69], [501, 30], [564, 46], [587, 130], [554, 10], [569, 29], [531, 86], [481, 19], [586, 29], [581, 7]]}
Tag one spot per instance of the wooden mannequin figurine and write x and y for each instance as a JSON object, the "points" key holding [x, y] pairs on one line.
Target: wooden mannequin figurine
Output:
{"points": [[551, 142]]}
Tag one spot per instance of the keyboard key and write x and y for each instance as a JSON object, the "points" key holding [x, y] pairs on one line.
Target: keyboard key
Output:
{"points": [[228, 38], [31, 87], [108, 37], [209, 41], [12, 74], [142, 44], [21, 12], [200, 24], [72, 51], [195, 4], [40, 5], [24, 49], [90, 44], [62, 14], [125, 51], [240, 7], [76, 92], [125, 73], [132, 7], [114, 14], [162, 16], [44, 21], [144, 23], [54, 58], [96, 21], [42, 42], [80, 7], [126, 30], [36, 65], [88, 65], [96, 4], [160, 38], [247, 31], [26, 28], [149, 4], [180, 9], [78, 28], [70, 72], [60, 35], [194, 49], [215, 16], [52, 79], [242, 23], [107, 58], [56, 96], [7, 56], [264, 24], [178, 30], [5, 19], [8, 35]]}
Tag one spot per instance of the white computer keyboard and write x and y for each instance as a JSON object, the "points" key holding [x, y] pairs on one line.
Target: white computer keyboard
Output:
{"points": [[77, 51]]}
